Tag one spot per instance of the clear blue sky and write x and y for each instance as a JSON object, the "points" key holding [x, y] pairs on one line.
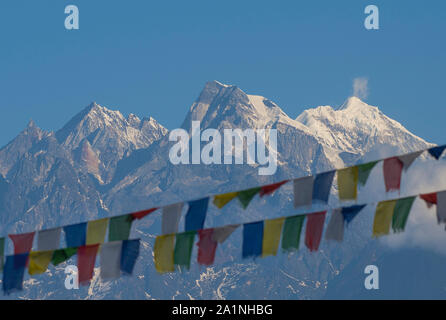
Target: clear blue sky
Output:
{"points": [[152, 58]]}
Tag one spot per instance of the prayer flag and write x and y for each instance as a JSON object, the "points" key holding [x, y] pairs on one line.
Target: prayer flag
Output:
{"points": [[119, 227], [313, 232], [322, 186], [269, 189], [48, 239], [222, 199], [184, 244], [39, 261], [13, 273], [436, 152], [429, 198], [62, 255], [392, 168], [110, 262], [408, 159], [129, 255], [383, 217], [401, 213], [96, 230], [335, 228], [303, 191], [347, 183], [23, 243], [206, 247], [272, 230], [350, 212], [292, 229], [364, 171], [246, 196], [86, 258], [252, 239], [141, 214], [171, 218], [164, 246], [75, 235], [196, 214], [441, 206], [222, 233]]}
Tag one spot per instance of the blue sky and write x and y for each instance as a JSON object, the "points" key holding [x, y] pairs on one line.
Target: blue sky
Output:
{"points": [[152, 58]]}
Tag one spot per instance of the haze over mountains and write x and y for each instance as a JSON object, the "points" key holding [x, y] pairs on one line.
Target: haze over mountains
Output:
{"points": [[102, 163]]}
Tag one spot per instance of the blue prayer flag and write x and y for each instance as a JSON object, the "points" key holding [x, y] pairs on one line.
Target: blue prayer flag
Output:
{"points": [[196, 214], [436, 152], [322, 186], [75, 235], [350, 212], [252, 239], [129, 254], [13, 272]]}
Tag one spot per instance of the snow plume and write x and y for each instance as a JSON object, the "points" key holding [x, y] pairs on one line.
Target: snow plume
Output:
{"points": [[360, 87]]}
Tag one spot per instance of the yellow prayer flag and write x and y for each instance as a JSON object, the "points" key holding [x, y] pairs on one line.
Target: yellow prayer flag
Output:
{"points": [[222, 199], [164, 252], [347, 183], [383, 217], [272, 230], [38, 261], [96, 230]]}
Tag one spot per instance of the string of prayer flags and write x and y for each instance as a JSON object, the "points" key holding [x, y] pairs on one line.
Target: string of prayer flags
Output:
{"points": [[141, 214], [222, 233], [13, 272], [184, 244], [39, 261], [269, 189], [119, 227], [196, 214], [429, 198], [246, 196], [350, 212], [401, 213], [86, 258], [164, 246], [129, 255], [392, 168], [347, 183], [23, 243], [436, 152], [383, 217], [364, 172], [222, 199], [303, 191], [171, 218], [322, 185], [206, 247], [62, 255], [48, 239], [75, 235], [2, 253], [252, 239], [272, 230], [335, 228], [408, 159], [110, 260], [441, 207], [314, 229], [96, 230], [292, 229]]}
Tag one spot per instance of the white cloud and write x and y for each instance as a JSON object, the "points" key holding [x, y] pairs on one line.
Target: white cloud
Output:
{"points": [[360, 87]]}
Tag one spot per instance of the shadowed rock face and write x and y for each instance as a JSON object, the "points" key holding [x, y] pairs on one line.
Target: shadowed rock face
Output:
{"points": [[101, 163]]}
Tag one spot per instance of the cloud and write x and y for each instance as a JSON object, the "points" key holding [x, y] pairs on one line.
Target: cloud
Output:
{"points": [[360, 87]]}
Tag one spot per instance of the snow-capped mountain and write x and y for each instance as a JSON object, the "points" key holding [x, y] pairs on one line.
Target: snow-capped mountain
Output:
{"points": [[101, 163]]}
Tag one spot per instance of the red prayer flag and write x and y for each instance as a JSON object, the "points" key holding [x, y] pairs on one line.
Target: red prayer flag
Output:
{"points": [[141, 214], [430, 198], [392, 168], [23, 243], [313, 232], [86, 258], [206, 247], [269, 189]]}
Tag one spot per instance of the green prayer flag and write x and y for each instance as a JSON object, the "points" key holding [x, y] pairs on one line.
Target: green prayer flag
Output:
{"points": [[2, 252], [62, 255], [246, 196], [291, 232], [119, 227], [364, 171], [183, 248], [401, 213]]}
